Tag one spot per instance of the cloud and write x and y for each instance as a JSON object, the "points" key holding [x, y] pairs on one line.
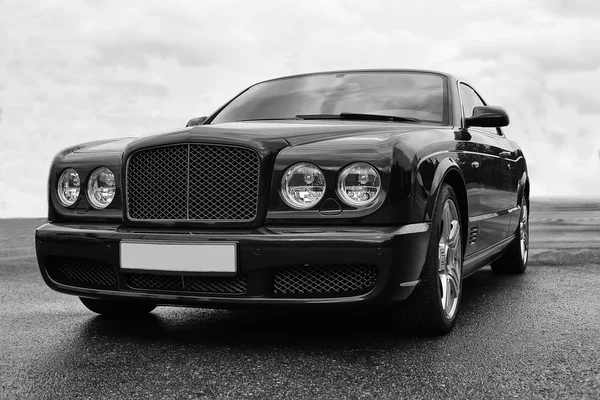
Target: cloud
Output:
{"points": [[552, 43], [581, 8], [74, 71], [580, 91]]}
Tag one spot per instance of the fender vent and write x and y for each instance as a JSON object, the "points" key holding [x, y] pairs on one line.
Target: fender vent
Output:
{"points": [[473, 236]]}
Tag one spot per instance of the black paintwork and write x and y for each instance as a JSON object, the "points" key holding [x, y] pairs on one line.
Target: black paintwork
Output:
{"points": [[259, 252], [488, 116], [488, 172]]}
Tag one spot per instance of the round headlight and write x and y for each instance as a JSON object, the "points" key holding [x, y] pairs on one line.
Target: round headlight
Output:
{"points": [[68, 187], [101, 188], [359, 184], [302, 186]]}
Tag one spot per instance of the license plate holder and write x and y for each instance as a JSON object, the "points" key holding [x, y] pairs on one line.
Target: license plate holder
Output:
{"points": [[215, 258]]}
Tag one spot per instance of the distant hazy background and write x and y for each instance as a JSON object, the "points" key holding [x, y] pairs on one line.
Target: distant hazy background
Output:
{"points": [[74, 71]]}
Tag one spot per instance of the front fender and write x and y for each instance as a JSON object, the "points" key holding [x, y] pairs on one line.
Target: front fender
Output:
{"points": [[431, 173]]}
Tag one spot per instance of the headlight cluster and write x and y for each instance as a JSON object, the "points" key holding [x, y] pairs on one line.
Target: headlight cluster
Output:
{"points": [[101, 187], [303, 185], [68, 187], [359, 185]]}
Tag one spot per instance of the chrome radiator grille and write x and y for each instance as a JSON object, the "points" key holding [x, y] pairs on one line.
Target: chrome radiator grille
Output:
{"points": [[194, 182]]}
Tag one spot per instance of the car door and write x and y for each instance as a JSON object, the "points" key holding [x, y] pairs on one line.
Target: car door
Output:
{"points": [[469, 162], [497, 183]]}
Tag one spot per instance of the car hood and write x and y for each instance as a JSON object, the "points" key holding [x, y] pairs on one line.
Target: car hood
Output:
{"points": [[294, 133], [302, 132]]}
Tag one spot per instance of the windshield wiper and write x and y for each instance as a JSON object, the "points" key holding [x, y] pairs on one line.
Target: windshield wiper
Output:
{"points": [[263, 119], [359, 117]]}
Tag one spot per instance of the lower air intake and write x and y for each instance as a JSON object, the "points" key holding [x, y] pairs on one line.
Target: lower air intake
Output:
{"points": [[329, 280], [155, 282], [215, 285], [81, 272], [192, 284]]}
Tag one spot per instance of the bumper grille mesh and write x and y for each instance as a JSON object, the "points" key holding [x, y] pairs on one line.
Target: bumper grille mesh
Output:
{"points": [[155, 282], [324, 280], [196, 284], [215, 285], [81, 272], [196, 182]]}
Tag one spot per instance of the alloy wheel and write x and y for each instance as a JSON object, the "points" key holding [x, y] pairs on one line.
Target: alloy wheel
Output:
{"points": [[524, 233], [450, 259]]}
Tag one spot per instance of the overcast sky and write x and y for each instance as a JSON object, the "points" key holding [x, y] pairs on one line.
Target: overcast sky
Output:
{"points": [[75, 71]]}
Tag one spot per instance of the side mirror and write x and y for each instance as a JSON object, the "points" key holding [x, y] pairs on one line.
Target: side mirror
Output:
{"points": [[488, 117], [196, 121]]}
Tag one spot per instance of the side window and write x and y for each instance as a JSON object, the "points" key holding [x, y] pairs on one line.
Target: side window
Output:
{"points": [[470, 100]]}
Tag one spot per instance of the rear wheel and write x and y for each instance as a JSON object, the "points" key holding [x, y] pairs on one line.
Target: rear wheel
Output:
{"points": [[514, 261], [118, 308], [433, 306]]}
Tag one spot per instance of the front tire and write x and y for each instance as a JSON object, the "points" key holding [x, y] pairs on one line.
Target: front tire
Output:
{"points": [[118, 309], [432, 307]]}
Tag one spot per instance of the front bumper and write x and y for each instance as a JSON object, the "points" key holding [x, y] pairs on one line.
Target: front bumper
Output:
{"points": [[396, 254]]}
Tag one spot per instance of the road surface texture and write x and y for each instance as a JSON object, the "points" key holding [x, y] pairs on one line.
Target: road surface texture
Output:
{"points": [[531, 336]]}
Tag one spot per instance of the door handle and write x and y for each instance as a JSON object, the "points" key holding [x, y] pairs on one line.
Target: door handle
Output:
{"points": [[475, 164], [505, 154]]}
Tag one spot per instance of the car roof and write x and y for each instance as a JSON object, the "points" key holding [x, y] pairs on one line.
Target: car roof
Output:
{"points": [[348, 71]]}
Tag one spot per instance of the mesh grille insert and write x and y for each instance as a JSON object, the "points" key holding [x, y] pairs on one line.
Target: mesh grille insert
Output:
{"points": [[223, 183], [196, 284], [81, 272], [157, 183], [155, 282], [196, 182], [215, 285], [324, 280]]}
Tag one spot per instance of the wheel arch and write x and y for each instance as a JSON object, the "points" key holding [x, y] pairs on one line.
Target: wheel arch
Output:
{"points": [[523, 191], [449, 172]]}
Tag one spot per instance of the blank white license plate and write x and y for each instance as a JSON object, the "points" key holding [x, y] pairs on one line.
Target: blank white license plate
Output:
{"points": [[197, 257]]}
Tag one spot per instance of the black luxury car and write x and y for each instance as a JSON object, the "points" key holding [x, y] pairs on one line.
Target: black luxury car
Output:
{"points": [[381, 188]]}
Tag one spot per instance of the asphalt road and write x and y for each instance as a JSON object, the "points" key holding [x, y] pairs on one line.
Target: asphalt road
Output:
{"points": [[531, 336]]}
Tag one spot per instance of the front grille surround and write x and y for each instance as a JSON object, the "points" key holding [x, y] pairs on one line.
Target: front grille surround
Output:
{"points": [[186, 172]]}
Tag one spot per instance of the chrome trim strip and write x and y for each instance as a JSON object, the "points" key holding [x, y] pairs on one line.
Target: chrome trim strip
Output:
{"points": [[410, 284], [187, 210], [515, 160], [437, 153], [413, 228], [481, 217], [463, 119]]}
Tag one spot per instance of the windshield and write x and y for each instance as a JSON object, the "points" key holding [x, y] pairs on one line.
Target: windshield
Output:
{"points": [[399, 94]]}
